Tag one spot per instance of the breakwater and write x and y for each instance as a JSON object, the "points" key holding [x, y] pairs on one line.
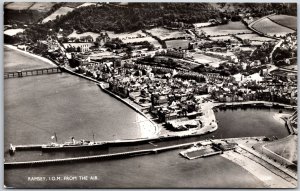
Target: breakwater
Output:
{"points": [[106, 144], [118, 155], [254, 104], [99, 157]]}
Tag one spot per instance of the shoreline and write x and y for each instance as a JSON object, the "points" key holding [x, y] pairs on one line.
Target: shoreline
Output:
{"points": [[100, 84], [207, 118], [30, 54], [265, 103], [208, 109], [204, 130], [158, 129]]}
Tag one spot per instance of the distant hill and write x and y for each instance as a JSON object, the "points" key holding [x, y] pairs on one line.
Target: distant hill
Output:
{"points": [[133, 16], [31, 12], [128, 17], [282, 8]]}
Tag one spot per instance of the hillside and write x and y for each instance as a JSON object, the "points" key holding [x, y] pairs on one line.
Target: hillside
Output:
{"points": [[134, 16], [129, 17], [30, 12], [259, 8]]}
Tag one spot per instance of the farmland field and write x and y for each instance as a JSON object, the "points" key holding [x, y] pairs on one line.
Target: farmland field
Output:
{"points": [[86, 4], [204, 59], [199, 25], [164, 34], [99, 55], [250, 20], [76, 35], [42, 6], [254, 37], [59, 12], [177, 44], [19, 5], [285, 20], [12, 32], [256, 43], [222, 54], [224, 38], [291, 67], [227, 29], [268, 27], [39, 6]]}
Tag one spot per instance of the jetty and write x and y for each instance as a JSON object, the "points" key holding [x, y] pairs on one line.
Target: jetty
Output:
{"points": [[99, 157], [32, 72], [157, 149]]}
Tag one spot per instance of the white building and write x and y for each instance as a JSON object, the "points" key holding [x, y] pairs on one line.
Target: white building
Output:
{"points": [[83, 46]]}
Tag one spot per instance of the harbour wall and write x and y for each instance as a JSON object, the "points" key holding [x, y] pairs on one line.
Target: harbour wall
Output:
{"points": [[109, 156]]}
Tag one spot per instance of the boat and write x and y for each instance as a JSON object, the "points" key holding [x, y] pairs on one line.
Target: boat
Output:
{"points": [[73, 144], [12, 149], [81, 145]]}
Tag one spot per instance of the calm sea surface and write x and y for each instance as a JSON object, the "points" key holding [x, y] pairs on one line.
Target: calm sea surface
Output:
{"points": [[36, 107]]}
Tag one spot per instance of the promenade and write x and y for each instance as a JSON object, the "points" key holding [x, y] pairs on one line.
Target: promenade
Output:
{"points": [[208, 119], [267, 103]]}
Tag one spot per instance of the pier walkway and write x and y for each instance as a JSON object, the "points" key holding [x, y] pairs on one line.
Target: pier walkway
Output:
{"points": [[104, 156], [33, 72], [160, 147]]}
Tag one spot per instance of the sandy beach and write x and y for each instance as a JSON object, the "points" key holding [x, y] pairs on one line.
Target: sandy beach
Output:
{"points": [[30, 54]]}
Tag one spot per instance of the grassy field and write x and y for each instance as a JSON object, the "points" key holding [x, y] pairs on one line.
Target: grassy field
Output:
{"points": [[58, 12], [177, 44], [42, 6], [254, 37], [12, 32], [38, 6], [86, 4], [199, 25], [164, 34], [137, 36], [285, 20], [227, 29], [203, 59], [268, 27], [18, 5], [224, 38], [292, 67], [287, 148], [76, 35]]}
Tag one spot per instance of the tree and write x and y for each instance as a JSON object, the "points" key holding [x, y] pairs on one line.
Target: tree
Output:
{"points": [[151, 47]]}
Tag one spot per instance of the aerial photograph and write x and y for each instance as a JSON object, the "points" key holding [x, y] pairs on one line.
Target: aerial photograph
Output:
{"points": [[150, 95]]}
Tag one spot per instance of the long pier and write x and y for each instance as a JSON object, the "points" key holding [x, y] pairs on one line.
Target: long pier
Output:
{"points": [[104, 156], [110, 156], [33, 72]]}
